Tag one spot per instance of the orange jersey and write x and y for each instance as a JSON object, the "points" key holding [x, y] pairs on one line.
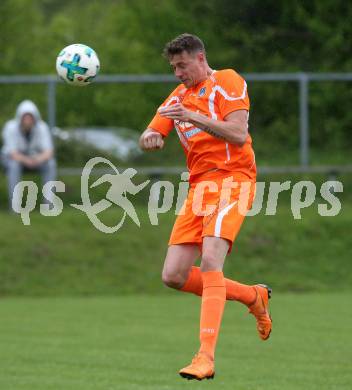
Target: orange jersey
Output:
{"points": [[220, 94]]}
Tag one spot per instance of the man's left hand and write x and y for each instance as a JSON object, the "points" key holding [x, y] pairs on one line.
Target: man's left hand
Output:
{"points": [[177, 112]]}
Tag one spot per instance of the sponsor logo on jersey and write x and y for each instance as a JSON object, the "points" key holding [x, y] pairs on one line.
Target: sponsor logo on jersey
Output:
{"points": [[202, 92], [191, 133]]}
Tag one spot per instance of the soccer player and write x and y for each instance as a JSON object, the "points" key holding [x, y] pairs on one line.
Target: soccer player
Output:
{"points": [[209, 111]]}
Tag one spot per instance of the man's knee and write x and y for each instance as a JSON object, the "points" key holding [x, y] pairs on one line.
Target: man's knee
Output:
{"points": [[49, 165], [12, 165], [48, 170], [173, 280], [178, 262]]}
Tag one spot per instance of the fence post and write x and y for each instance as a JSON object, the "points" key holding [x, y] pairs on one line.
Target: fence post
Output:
{"points": [[304, 119], [51, 103]]}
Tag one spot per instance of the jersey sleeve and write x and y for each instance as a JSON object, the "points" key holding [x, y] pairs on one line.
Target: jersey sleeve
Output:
{"points": [[232, 93], [161, 124]]}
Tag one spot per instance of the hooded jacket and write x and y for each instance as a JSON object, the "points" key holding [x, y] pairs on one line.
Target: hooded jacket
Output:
{"points": [[13, 138]]}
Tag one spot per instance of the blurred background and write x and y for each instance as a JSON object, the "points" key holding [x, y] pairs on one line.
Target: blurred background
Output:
{"points": [[296, 58]]}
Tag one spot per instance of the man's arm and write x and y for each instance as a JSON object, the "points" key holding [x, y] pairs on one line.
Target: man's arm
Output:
{"points": [[151, 140], [10, 147], [43, 156], [22, 158], [31, 161], [234, 127], [46, 144]]}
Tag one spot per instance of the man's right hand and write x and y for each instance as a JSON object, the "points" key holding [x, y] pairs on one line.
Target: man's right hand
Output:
{"points": [[23, 159], [151, 140], [30, 162]]}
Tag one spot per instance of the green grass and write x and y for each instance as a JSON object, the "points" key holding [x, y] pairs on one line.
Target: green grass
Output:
{"points": [[139, 342], [66, 255]]}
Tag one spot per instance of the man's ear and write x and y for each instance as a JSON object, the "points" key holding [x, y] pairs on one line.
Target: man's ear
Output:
{"points": [[201, 56]]}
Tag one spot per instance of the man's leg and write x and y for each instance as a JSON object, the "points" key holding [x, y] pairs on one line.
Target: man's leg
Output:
{"points": [[214, 292], [48, 173], [178, 262], [214, 252], [180, 273], [13, 172], [48, 170], [254, 297], [235, 291]]}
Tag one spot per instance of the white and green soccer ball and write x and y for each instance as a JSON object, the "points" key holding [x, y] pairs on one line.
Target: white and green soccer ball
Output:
{"points": [[77, 64]]}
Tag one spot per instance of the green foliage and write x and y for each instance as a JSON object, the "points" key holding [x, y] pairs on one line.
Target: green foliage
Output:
{"points": [[250, 36]]}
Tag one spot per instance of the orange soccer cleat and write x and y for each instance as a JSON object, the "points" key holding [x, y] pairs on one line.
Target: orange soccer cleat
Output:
{"points": [[259, 308], [202, 367]]}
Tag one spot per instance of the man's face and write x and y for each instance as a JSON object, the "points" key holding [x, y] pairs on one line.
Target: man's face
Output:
{"points": [[189, 67], [27, 122]]}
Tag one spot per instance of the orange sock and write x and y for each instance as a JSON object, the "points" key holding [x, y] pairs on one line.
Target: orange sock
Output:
{"points": [[234, 291], [213, 303], [194, 283]]}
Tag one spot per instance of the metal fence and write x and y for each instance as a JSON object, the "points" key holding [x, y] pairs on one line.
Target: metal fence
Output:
{"points": [[302, 79]]}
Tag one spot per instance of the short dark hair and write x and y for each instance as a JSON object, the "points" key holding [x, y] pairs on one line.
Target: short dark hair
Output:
{"points": [[184, 42]]}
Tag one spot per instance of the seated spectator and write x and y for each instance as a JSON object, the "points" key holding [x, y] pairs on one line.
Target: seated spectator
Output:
{"points": [[27, 144]]}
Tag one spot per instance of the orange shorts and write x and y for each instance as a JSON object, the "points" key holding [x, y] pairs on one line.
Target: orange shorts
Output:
{"points": [[215, 206]]}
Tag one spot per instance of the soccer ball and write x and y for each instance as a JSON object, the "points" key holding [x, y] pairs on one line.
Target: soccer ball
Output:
{"points": [[77, 64]]}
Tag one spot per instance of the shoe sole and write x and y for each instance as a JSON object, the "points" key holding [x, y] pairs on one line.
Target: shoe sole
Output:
{"points": [[190, 376]]}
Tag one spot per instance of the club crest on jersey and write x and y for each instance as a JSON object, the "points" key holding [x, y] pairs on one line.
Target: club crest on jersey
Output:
{"points": [[202, 92]]}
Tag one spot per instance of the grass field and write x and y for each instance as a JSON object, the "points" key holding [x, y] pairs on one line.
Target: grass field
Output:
{"points": [[139, 343], [66, 255]]}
